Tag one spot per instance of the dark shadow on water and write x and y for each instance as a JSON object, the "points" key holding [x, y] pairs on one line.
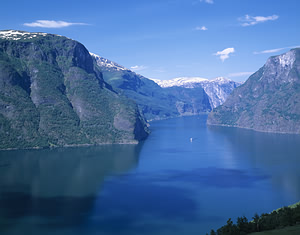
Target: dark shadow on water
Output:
{"points": [[137, 205], [146, 198], [17, 204], [215, 177]]}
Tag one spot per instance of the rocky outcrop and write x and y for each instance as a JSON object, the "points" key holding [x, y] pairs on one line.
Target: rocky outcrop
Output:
{"points": [[269, 101], [52, 94]]}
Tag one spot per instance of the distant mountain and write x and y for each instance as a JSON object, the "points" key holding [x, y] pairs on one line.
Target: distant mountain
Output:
{"points": [[268, 101], [52, 94], [154, 101], [217, 89], [187, 82]]}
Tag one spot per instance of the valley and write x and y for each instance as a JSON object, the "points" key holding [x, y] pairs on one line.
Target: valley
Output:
{"points": [[161, 117]]}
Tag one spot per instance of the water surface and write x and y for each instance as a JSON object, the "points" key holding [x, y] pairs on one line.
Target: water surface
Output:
{"points": [[166, 185]]}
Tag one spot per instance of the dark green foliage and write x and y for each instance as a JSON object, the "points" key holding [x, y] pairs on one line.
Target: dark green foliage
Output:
{"points": [[256, 223], [243, 226], [283, 217], [53, 94], [228, 229], [212, 232]]}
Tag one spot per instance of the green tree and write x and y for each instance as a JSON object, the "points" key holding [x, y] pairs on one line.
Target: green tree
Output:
{"points": [[242, 225], [229, 228], [212, 232], [296, 214], [286, 217], [256, 222]]}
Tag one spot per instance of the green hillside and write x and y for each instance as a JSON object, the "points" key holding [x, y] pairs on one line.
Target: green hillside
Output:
{"points": [[52, 94]]}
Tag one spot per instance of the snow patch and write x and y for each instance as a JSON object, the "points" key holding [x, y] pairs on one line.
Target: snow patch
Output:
{"points": [[287, 59], [221, 80], [17, 35], [107, 63], [187, 82]]}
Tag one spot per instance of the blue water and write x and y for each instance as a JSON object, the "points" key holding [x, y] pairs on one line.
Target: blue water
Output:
{"points": [[166, 185]]}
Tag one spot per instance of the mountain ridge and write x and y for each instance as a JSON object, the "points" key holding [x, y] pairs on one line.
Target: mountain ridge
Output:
{"points": [[154, 101], [188, 82], [268, 101]]}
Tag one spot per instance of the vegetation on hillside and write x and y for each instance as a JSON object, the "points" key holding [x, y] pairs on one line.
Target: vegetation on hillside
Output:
{"points": [[53, 94], [278, 219]]}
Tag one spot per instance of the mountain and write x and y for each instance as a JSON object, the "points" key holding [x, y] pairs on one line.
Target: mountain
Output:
{"points": [[52, 93], [108, 65], [217, 89], [269, 101], [154, 101]]}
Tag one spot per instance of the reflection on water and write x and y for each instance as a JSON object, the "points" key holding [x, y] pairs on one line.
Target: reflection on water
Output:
{"points": [[58, 182], [277, 154]]}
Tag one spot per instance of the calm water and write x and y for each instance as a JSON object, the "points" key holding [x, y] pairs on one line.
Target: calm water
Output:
{"points": [[167, 185]]}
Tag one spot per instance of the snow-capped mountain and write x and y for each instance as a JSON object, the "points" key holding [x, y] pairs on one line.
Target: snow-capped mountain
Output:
{"points": [[187, 82], [217, 89], [102, 62]]}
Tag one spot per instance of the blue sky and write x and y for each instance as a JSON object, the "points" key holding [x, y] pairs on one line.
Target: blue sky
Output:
{"points": [[164, 39]]}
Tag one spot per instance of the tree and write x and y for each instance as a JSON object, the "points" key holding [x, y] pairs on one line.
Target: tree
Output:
{"points": [[229, 228], [212, 232], [296, 214], [286, 217], [242, 225], [256, 222]]}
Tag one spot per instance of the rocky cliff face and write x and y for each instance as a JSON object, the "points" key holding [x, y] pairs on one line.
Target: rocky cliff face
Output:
{"points": [[154, 101], [268, 101], [217, 89], [53, 94]]}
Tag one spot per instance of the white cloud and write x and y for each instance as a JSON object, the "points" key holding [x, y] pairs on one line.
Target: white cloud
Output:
{"points": [[138, 67], [203, 28], [273, 50], [51, 24], [225, 53], [240, 74], [207, 1], [248, 20], [269, 51]]}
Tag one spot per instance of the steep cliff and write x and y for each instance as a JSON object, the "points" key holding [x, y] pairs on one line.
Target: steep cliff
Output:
{"points": [[268, 101], [53, 94]]}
